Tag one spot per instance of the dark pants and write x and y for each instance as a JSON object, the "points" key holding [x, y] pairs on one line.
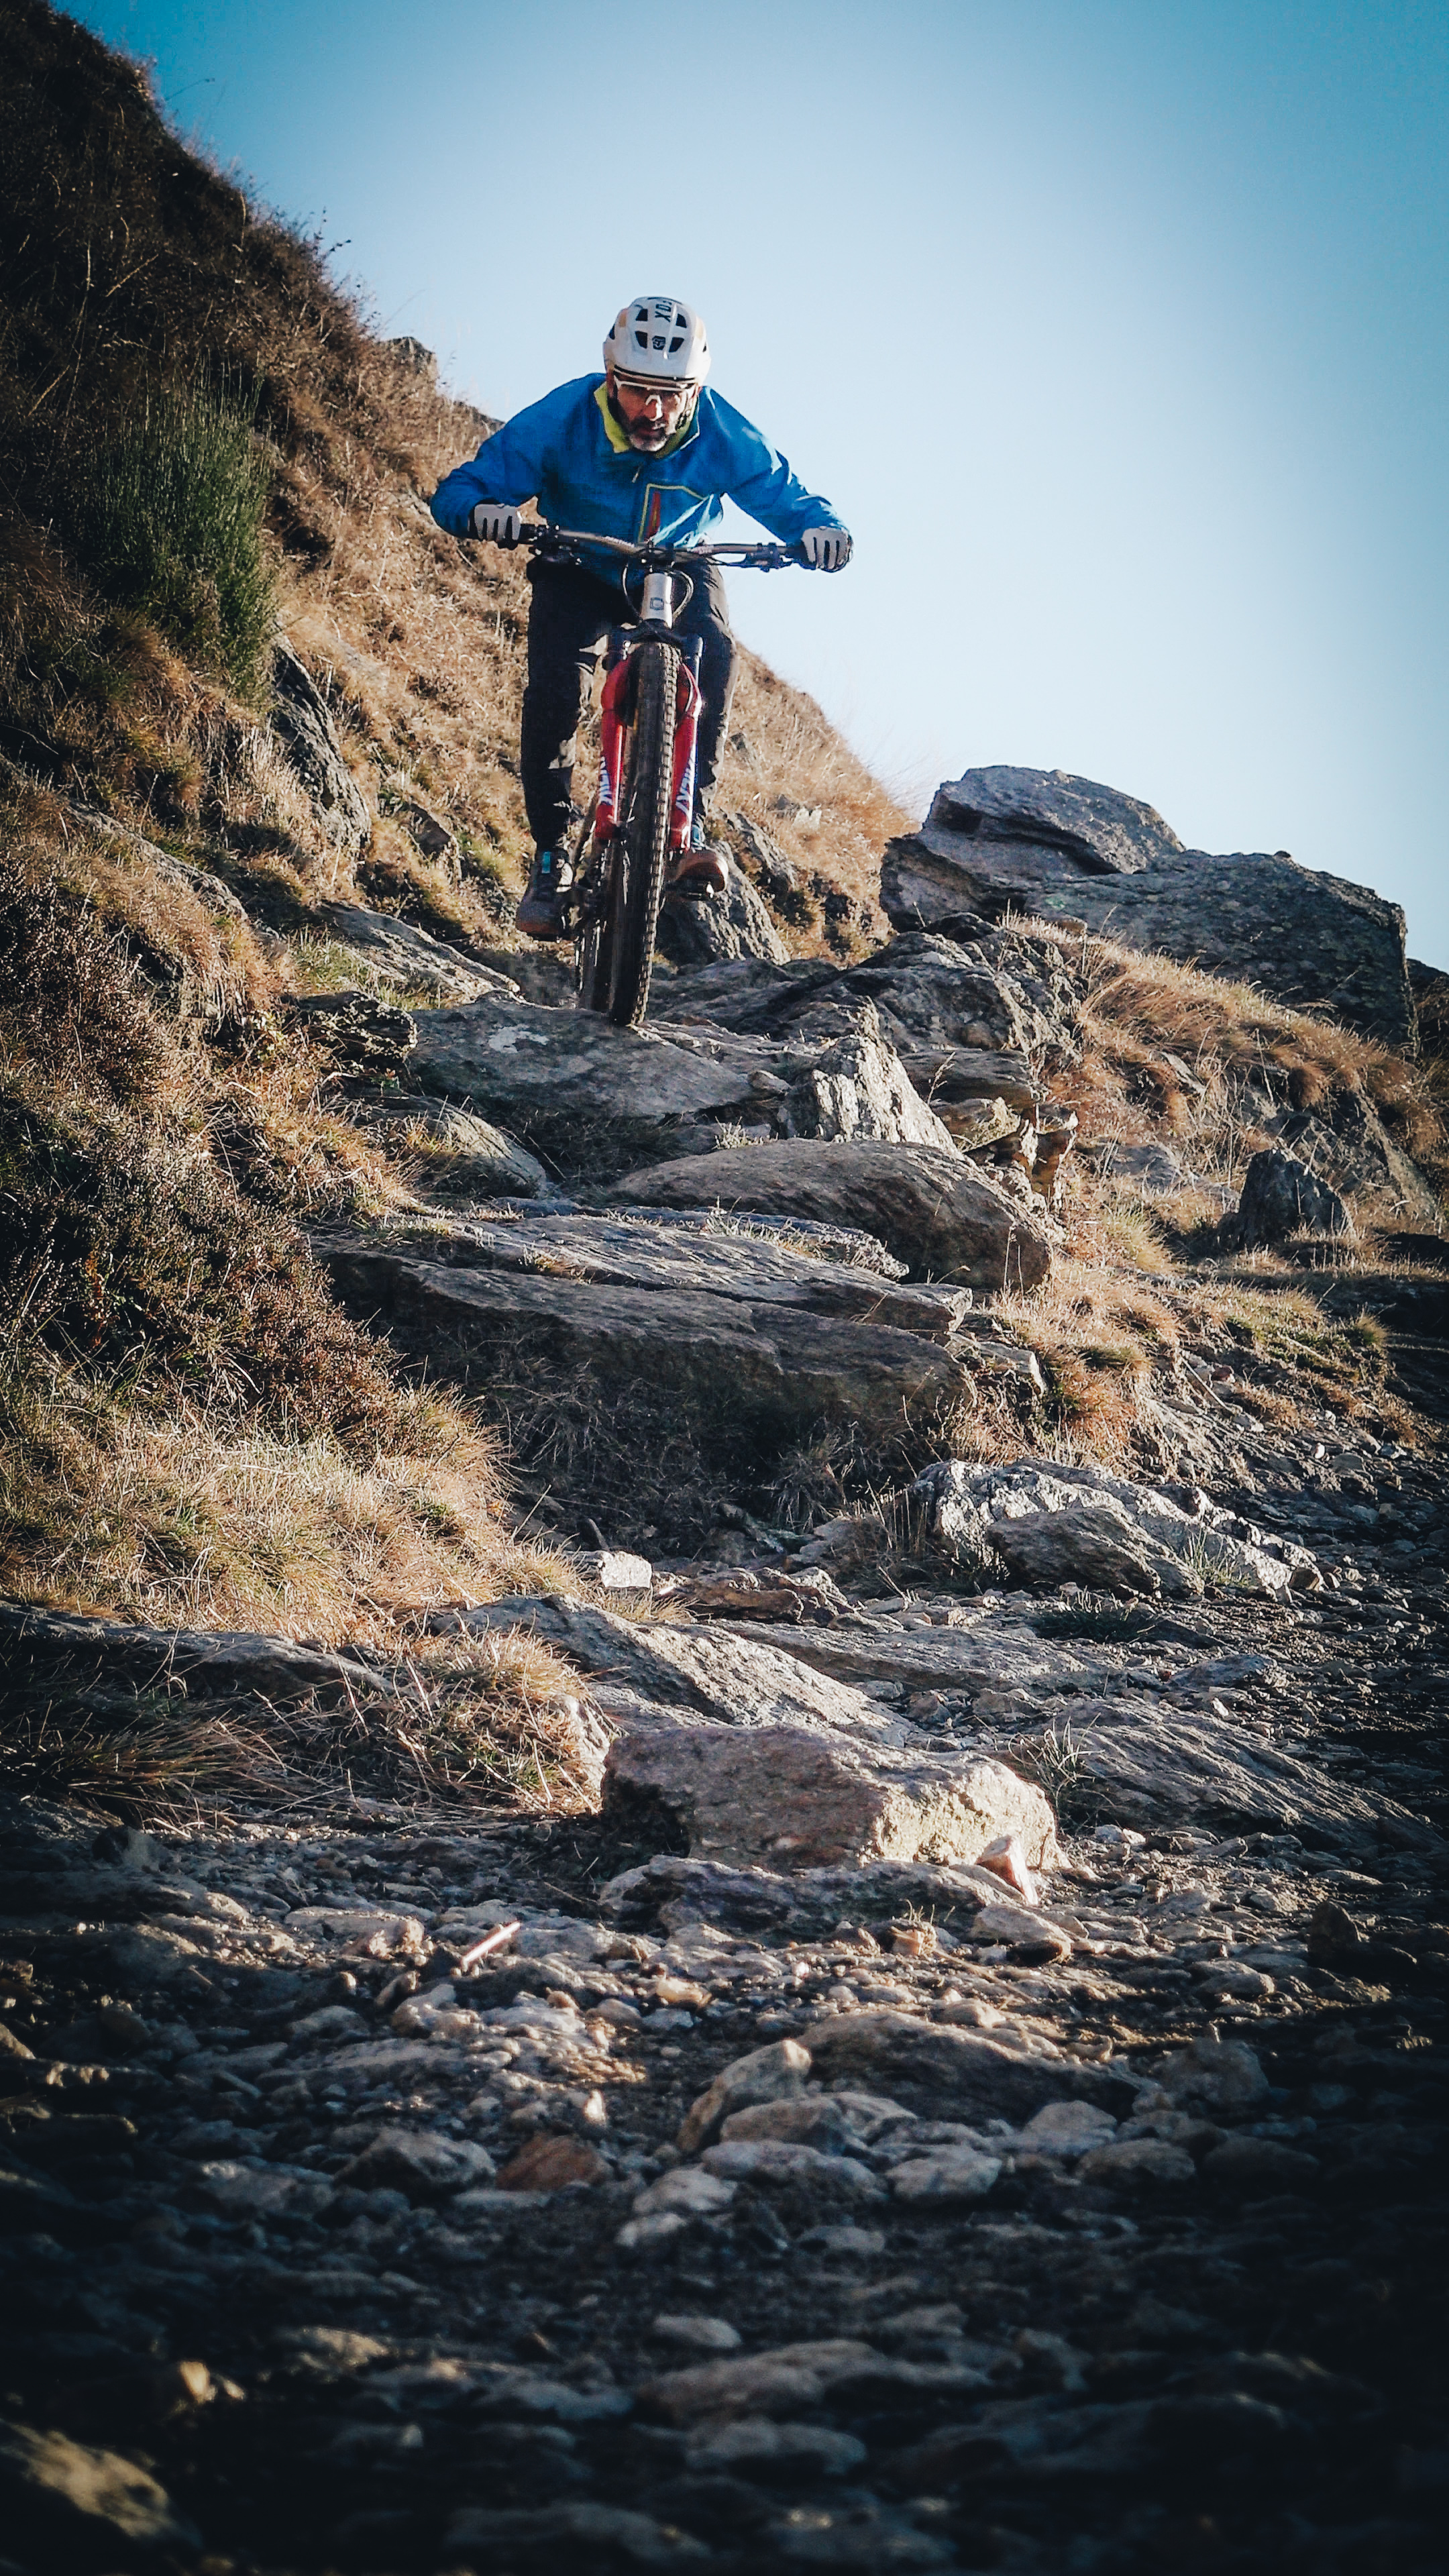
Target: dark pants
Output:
{"points": [[568, 627]]}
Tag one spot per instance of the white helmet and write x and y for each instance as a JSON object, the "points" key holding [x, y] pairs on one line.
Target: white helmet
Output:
{"points": [[656, 335]]}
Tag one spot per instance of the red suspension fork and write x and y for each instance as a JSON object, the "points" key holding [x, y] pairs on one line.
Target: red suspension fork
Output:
{"points": [[614, 725]]}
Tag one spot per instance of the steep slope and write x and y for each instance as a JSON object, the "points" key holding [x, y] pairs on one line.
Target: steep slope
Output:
{"points": [[183, 838]]}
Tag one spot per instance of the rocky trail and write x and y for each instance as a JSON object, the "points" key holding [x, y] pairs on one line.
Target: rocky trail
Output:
{"points": [[965, 2089], [452, 2192]]}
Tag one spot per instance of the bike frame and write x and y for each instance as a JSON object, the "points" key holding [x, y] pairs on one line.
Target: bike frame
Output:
{"points": [[663, 571]]}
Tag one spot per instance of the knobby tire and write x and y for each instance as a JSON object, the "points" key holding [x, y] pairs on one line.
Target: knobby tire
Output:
{"points": [[642, 852]]}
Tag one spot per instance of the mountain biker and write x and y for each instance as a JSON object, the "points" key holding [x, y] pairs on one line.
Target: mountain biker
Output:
{"points": [[643, 451]]}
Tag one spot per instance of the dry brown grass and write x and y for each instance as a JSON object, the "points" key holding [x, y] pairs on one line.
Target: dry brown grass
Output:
{"points": [[492, 1721], [163, 1514], [1239, 1052], [782, 758]]}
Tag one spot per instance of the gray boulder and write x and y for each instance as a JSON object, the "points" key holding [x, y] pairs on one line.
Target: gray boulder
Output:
{"points": [[858, 1087], [467, 1157], [771, 1357], [704, 928], [301, 723], [1105, 832], [1043, 842], [796, 1797], [402, 954], [1281, 1197], [1346, 1143], [1053, 1523], [1097, 1545], [932, 1209]]}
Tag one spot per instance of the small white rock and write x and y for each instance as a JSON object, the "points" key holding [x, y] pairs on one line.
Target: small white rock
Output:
{"points": [[696, 2334]]}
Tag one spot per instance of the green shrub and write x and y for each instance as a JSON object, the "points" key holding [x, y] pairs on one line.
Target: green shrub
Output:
{"points": [[169, 522]]}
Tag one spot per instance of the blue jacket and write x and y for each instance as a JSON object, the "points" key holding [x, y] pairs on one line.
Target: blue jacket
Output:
{"points": [[569, 454]]}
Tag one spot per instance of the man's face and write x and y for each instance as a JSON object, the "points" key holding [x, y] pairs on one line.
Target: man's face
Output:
{"points": [[650, 411]]}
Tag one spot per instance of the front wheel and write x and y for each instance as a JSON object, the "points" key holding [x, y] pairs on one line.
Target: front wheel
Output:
{"points": [[642, 850]]}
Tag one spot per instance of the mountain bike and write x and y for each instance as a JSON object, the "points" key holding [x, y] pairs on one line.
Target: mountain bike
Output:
{"points": [[644, 802]]}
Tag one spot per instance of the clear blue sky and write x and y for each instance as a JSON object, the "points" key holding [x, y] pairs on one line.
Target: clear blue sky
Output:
{"points": [[1114, 328]]}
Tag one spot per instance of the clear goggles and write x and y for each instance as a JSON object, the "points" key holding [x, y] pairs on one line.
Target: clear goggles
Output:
{"points": [[672, 392]]}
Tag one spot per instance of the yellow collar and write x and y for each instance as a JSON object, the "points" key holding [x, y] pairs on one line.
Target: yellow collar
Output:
{"points": [[618, 438]]}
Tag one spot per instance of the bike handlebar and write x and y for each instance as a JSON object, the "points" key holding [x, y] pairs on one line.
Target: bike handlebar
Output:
{"points": [[656, 558]]}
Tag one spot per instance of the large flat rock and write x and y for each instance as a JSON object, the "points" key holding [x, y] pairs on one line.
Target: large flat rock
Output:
{"points": [[1043, 842], [507, 1056], [598, 1088], [860, 1650], [716, 1259], [934, 1211], [1156, 1767], [797, 1797], [777, 1364]]}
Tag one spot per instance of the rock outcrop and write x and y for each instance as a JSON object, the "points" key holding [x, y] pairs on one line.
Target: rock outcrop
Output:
{"points": [[1053, 1524], [729, 1325], [789, 1796], [301, 722], [932, 1209], [1041, 841], [1282, 1197], [700, 928], [603, 1092]]}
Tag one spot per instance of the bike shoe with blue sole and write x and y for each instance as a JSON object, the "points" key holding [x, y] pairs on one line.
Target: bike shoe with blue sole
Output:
{"points": [[541, 913]]}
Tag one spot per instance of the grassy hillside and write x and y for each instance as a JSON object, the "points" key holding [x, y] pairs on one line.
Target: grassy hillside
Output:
{"points": [[193, 1431]]}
